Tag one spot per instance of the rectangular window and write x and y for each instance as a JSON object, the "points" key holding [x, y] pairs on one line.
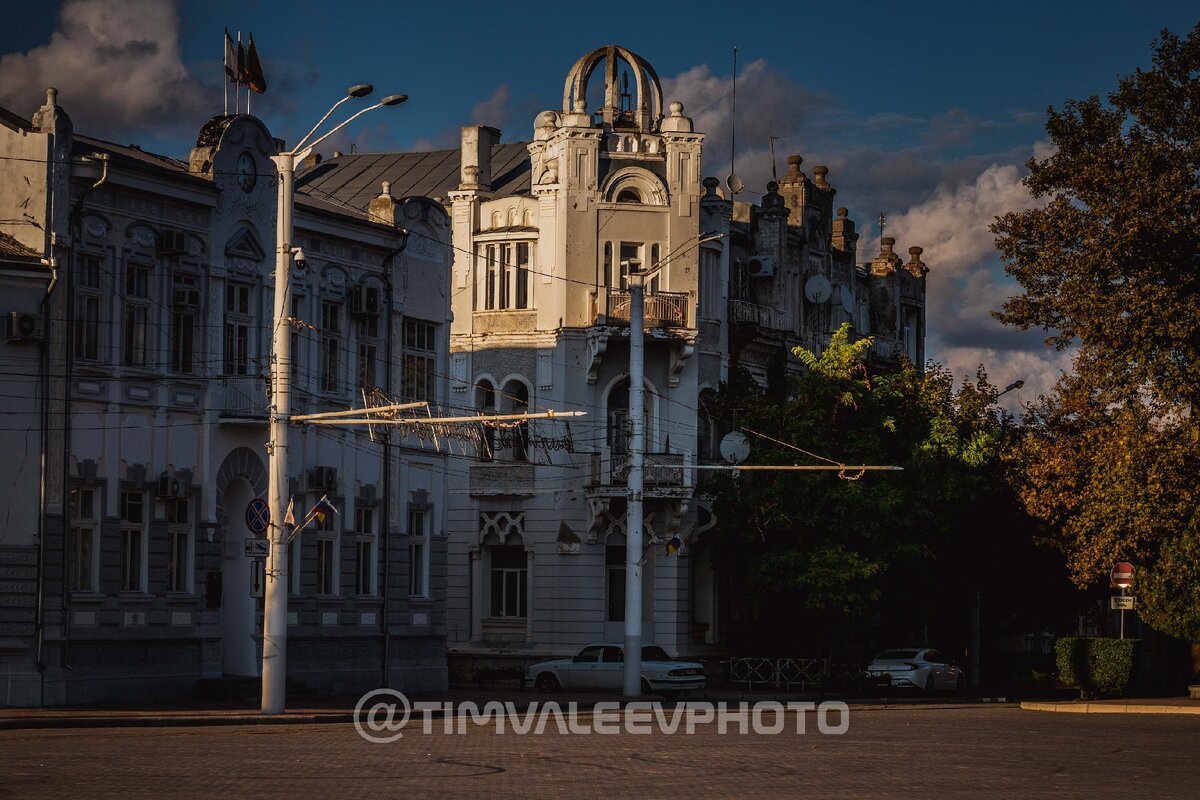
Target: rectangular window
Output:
{"points": [[81, 541], [237, 330], [87, 308], [185, 309], [614, 567], [367, 356], [418, 553], [133, 542], [509, 577], [710, 282], [179, 545], [326, 565], [137, 315], [489, 292], [331, 345], [364, 551], [506, 275], [294, 554], [630, 251], [418, 360]]}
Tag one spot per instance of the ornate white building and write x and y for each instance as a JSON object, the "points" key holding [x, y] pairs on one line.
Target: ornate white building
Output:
{"points": [[137, 301], [541, 233]]}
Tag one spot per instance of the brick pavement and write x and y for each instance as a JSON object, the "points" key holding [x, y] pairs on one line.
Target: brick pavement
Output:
{"points": [[898, 752]]}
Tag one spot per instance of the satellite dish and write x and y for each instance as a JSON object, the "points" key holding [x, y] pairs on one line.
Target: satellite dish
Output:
{"points": [[817, 289], [735, 447], [735, 184], [846, 297]]}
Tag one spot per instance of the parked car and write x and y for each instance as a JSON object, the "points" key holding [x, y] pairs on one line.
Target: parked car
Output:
{"points": [[916, 668], [602, 667]]}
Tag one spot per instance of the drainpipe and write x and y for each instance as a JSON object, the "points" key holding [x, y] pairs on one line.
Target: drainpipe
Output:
{"points": [[384, 628], [69, 349]]}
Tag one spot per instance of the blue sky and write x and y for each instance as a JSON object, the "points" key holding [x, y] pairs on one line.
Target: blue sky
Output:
{"points": [[925, 111]]}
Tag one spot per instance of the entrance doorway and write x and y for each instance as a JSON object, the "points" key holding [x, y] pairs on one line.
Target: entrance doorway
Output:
{"points": [[239, 647]]}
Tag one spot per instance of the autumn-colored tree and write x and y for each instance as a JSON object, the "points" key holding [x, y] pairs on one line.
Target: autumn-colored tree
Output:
{"points": [[1110, 266]]}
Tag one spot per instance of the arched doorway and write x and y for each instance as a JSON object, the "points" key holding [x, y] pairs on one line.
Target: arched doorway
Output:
{"points": [[241, 478]]}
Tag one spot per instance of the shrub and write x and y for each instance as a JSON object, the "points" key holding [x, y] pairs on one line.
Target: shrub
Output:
{"points": [[1096, 667]]}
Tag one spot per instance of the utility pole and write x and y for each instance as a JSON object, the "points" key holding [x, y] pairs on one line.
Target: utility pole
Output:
{"points": [[274, 664], [637, 455], [274, 669]]}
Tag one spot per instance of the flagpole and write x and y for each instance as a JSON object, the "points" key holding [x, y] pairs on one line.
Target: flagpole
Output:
{"points": [[238, 90], [225, 63]]}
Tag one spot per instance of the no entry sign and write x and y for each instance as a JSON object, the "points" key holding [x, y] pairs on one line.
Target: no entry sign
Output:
{"points": [[1121, 575]]}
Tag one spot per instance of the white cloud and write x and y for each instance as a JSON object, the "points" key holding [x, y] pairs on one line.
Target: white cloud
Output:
{"points": [[966, 283], [117, 66], [494, 111]]}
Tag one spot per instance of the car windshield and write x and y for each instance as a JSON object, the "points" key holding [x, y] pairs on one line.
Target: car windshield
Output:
{"points": [[896, 655], [654, 653]]}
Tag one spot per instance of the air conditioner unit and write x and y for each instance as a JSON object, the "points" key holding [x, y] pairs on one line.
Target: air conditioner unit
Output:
{"points": [[169, 487], [22, 327], [324, 479], [364, 301], [761, 267], [172, 242], [187, 298]]}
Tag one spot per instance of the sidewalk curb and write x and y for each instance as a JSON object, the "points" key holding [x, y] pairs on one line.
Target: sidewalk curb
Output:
{"points": [[1109, 708]]}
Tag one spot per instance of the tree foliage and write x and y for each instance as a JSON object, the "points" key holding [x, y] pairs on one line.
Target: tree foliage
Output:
{"points": [[1110, 266], [828, 542], [1111, 263]]}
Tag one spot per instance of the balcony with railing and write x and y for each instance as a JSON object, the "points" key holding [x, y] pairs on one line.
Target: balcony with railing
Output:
{"points": [[662, 309], [754, 314], [663, 474], [240, 398]]}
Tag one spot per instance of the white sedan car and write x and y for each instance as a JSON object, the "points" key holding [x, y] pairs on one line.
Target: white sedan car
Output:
{"points": [[601, 667], [917, 668]]}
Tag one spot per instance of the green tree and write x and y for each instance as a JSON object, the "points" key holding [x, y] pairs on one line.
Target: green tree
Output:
{"points": [[830, 545], [1110, 266]]}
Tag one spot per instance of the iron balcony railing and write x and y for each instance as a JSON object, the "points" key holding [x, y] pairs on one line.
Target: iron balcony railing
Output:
{"points": [[241, 397], [762, 316], [662, 309]]}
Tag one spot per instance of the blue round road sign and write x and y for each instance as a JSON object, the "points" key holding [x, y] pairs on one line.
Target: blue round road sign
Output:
{"points": [[258, 515]]}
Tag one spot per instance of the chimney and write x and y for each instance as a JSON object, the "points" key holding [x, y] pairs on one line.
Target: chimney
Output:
{"points": [[844, 236], [915, 265], [477, 144], [886, 262], [819, 174], [383, 208]]}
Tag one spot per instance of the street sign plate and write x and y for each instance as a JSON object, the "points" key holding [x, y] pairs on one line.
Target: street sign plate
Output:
{"points": [[1120, 603], [258, 515], [256, 548]]}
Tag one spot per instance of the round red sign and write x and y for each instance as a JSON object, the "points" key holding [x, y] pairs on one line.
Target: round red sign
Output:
{"points": [[1121, 575]]}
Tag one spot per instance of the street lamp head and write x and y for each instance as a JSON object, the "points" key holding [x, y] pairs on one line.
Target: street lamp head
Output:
{"points": [[1014, 385], [393, 100], [360, 90]]}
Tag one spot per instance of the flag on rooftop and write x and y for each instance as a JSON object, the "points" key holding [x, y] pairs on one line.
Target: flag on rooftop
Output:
{"points": [[231, 59], [254, 70]]}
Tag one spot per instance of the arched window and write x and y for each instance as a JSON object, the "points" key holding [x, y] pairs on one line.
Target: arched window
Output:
{"points": [[629, 196], [485, 403]]}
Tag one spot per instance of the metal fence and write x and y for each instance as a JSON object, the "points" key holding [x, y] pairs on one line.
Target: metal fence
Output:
{"points": [[777, 672]]}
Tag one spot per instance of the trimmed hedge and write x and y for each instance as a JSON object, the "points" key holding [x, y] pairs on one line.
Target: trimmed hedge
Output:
{"points": [[1095, 666]]}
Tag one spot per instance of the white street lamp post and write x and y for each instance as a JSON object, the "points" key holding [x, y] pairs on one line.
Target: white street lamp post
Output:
{"points": [[274, 666], [633, 518]]}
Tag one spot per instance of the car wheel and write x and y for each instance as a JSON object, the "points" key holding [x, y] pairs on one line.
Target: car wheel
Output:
{"points": [[547, 682], [930, 684]]}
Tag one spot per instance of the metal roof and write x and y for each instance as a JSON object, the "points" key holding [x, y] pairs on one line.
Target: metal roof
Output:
{"points": [[356, 179]]}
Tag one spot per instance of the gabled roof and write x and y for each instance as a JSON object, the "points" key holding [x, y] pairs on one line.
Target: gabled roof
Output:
{"points": [[356, 179]]}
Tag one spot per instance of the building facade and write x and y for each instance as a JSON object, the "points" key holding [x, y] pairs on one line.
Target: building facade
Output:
{"points": [[139, 319], [543, 235]]}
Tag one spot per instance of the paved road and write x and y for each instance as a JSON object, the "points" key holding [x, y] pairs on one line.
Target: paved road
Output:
{"points": [[899, 752]]}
